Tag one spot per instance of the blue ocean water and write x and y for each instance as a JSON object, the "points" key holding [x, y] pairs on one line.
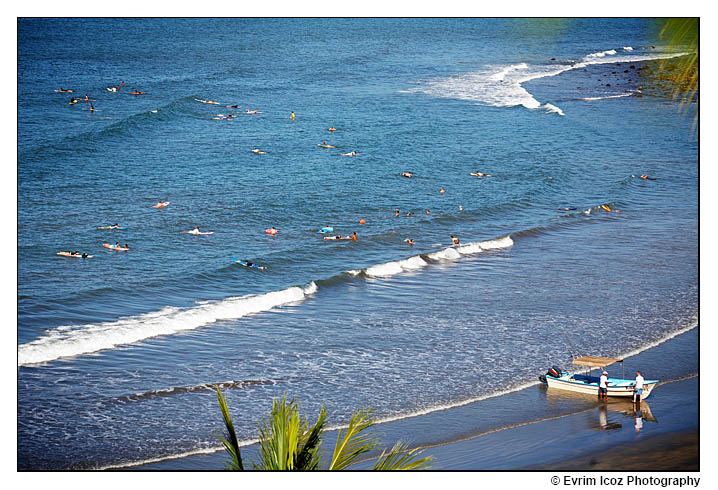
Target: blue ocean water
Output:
{"points": [[117, 353]]}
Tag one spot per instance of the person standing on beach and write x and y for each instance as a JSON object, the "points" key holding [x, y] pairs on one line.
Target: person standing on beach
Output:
{"points": [[638, 388], [603, 385]]}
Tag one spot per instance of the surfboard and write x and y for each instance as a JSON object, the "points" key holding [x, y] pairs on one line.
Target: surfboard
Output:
{"points": [[68, 254], [326, 229], [161, 205], [111, 227], [107, 245], [246, 264]]}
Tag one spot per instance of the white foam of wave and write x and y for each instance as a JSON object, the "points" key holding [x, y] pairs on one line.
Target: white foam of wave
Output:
{"points": [[354, 272], [68, 341], [627, 48], [470, 248], [396, 267], [692, 323], [600, 54], [502, 86], [500, 76], [445, 254], [503, 242], [552, 108], [607, 97]]}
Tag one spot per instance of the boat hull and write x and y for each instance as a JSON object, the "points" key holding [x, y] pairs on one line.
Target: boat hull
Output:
{"points": [[589, 385]]}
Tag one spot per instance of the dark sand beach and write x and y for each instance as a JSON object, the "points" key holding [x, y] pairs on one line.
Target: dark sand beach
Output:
{"points": [[537, 429]]}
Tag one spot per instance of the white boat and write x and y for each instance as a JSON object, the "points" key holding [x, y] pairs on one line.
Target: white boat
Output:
{"points": [[587, 384]]}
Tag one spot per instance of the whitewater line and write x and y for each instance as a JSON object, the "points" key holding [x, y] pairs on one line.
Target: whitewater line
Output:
{"points": [[74, 340]]}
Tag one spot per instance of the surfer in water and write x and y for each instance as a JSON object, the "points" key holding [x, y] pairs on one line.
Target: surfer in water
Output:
{"points": [[454, 240]]}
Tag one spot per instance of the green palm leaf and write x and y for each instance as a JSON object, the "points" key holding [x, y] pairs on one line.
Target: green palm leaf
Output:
{"points": [[231, 445], [285, 442], [399, 458], [354, 442]]}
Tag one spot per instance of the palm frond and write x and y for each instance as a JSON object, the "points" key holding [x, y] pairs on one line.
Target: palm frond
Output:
{"points": [[354, 442], [682, 34], [400, 458], [309, 457], [231, 445], [285, 441]]}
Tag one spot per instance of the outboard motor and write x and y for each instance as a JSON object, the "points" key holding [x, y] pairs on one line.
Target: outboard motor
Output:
{"points": [[554, 372]]}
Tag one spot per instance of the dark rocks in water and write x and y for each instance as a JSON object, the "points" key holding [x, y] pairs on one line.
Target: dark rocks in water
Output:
{"points": [[553, 59], [633, 67], [625, 71], [608, 85], [613, 73]]}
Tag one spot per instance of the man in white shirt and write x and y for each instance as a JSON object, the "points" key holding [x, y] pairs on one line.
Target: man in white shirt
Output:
{"points": [[638, 388], [603, 386]]}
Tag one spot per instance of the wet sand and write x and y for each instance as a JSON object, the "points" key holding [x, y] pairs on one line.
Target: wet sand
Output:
{"points": [[537, 429]]}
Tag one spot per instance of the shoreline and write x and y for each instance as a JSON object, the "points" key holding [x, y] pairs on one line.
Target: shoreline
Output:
{"points": [[529, 429]]}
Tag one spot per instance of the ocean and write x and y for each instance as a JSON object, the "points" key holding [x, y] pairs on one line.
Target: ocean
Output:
{"points": [[118, 354]]}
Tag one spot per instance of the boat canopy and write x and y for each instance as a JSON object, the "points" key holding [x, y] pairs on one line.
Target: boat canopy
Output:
{"points": [[593, 361]]}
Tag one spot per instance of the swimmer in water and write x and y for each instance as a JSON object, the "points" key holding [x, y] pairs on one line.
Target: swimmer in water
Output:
{"points": [[332, 129], [397, 213], [454, 240], [408, 175], [362, 221], [259, 152], [409, 241], [479, 174], [442, 191], [350, 154], [92, 109], [427, 212], [354, 236], [292, 116], [646, 177], [461, 208], [409, 213]]}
